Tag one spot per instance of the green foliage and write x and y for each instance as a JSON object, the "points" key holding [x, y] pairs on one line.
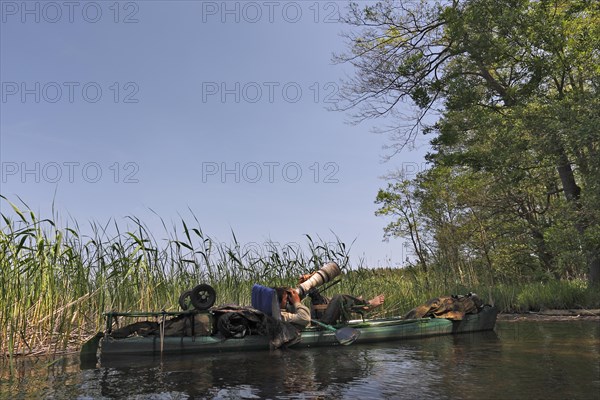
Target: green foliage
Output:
{"points": [[553, 295]]}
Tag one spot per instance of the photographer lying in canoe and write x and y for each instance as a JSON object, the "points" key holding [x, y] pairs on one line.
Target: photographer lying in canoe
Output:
{"points": [[328, 311], [341, 306]]}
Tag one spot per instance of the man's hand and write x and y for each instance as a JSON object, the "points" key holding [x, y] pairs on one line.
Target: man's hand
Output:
{"points": [[294, 296], [304, 278]]}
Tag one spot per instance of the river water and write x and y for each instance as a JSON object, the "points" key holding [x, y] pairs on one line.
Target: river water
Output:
{"points": [[519, 360]]}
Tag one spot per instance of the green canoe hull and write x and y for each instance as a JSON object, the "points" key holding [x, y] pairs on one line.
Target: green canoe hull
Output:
{"points": [[371, 331]]}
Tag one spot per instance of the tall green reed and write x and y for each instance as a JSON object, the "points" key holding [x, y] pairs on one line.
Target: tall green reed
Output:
{"points": [[56, 282]]}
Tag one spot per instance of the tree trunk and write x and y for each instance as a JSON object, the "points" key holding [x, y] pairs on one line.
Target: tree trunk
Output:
{"points": [[594, 274], [567, 178], [541, 250], [572, 193]]}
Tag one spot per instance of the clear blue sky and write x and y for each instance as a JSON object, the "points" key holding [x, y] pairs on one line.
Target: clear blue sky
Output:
{"points": [[111, 109]]}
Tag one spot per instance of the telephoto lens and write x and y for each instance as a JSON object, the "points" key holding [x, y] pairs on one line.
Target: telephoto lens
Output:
{"points": [[328, 272]]}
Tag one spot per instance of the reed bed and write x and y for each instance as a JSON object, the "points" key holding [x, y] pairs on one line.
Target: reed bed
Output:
{"points": [[57, 282]]}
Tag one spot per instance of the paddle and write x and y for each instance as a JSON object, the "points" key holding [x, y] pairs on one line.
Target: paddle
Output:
{"points": [[345, 336]]}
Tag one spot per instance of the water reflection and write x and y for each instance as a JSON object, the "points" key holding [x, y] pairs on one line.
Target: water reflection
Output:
{"points": [[519, 360], [261, 374]]}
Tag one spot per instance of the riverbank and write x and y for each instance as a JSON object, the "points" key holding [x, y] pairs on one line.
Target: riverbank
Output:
{"points": [[552, 315]]}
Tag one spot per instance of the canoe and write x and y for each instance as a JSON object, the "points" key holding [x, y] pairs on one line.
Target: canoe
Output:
{"points": [[371, 330]]}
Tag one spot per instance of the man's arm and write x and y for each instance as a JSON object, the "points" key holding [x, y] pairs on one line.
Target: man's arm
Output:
{"points": [[301, 314]]}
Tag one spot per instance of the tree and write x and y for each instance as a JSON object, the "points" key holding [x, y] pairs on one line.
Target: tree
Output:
{"points": [[512, 87], [398, 201]]}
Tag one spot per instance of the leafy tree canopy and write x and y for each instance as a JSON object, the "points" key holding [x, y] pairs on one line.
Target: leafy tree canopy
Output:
{"points": [[508, 91]]}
